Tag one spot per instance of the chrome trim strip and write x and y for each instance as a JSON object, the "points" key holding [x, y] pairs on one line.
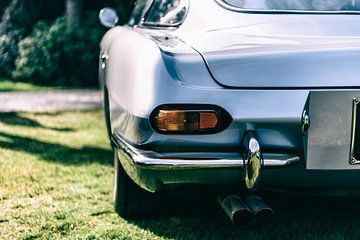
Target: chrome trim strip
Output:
{"points": [[155, 161], [246, 10], [145, 11], [353, 160]]}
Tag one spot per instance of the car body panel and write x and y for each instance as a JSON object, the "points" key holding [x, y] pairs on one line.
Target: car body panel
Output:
{"points": [[290, 54], [261, 69]]}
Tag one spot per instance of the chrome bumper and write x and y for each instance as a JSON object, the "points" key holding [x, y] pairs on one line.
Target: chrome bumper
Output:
{"points": [[196, 160], [153, 171]]}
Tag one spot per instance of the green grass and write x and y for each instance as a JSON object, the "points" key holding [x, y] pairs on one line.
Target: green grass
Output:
{"points": [[56, 183], [10, 86], [7, 85]]}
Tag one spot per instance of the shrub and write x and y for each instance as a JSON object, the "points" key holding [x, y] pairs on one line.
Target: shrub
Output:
{"points": [[3, 5], [35, 63], [8, 51], [16, 22], [56, 55]]}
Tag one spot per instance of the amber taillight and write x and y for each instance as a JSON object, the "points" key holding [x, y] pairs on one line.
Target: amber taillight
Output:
{"points": [[189, 120]]}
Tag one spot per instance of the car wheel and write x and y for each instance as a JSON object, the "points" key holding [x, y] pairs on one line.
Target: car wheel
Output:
{"points": [[129, 199]]}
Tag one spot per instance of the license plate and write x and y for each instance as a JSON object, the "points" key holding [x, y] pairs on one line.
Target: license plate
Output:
{"points": [[333, 139]]}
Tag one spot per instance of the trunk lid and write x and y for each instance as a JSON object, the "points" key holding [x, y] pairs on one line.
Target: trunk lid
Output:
{"points": [[321, 52]]}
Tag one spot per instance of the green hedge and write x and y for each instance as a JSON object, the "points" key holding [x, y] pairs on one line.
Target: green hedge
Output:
{"points": [[55, 55]]}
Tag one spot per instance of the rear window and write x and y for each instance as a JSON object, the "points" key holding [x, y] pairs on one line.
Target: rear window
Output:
{"points": [[296, 5]]}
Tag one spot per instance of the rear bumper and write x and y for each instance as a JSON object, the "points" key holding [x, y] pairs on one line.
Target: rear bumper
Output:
{"points": [[153, 171]]}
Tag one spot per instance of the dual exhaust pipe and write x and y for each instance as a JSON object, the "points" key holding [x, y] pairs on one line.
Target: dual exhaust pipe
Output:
{"points": [[240, 212], [253, 207]]}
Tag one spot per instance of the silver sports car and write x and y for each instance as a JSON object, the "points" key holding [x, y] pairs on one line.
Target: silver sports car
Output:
{"points": [[244, 93]]}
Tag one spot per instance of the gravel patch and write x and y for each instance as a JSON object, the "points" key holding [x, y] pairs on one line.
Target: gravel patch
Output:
{"points": [[50, 101]]}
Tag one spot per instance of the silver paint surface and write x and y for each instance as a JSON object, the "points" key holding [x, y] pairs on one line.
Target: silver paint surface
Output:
{"points": [[263, 69]]}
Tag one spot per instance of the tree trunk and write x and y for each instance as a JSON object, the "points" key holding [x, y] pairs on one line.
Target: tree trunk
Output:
{"points": [[73, 13]]}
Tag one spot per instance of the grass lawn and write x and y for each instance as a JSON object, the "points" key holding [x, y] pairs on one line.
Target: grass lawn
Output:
{"points": [[7, 85], [10, 86], [56, 183]]}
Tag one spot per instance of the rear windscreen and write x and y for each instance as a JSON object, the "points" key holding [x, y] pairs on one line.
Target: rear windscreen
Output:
{"points": [[300, 5]]}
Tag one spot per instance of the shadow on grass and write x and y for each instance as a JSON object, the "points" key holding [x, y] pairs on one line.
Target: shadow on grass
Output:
{"points": [[198, 216], [14, 119], [56, 152]]}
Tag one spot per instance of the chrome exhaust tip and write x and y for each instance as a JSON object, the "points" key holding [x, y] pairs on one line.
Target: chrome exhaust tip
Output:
{"points": [[235, 209], [253, 161], [262, 212]]}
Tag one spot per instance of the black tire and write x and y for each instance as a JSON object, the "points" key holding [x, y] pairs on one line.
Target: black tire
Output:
{"points": [[129, 199]]}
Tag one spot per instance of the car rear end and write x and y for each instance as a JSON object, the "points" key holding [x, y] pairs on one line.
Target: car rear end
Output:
{"points": [[270, 101]]}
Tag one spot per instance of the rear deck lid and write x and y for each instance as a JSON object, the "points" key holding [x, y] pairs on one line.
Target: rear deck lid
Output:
{"points": [[284, 54]]}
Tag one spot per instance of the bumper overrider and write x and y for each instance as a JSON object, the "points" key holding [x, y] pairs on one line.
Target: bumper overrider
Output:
{"points": [[153, 171]]}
